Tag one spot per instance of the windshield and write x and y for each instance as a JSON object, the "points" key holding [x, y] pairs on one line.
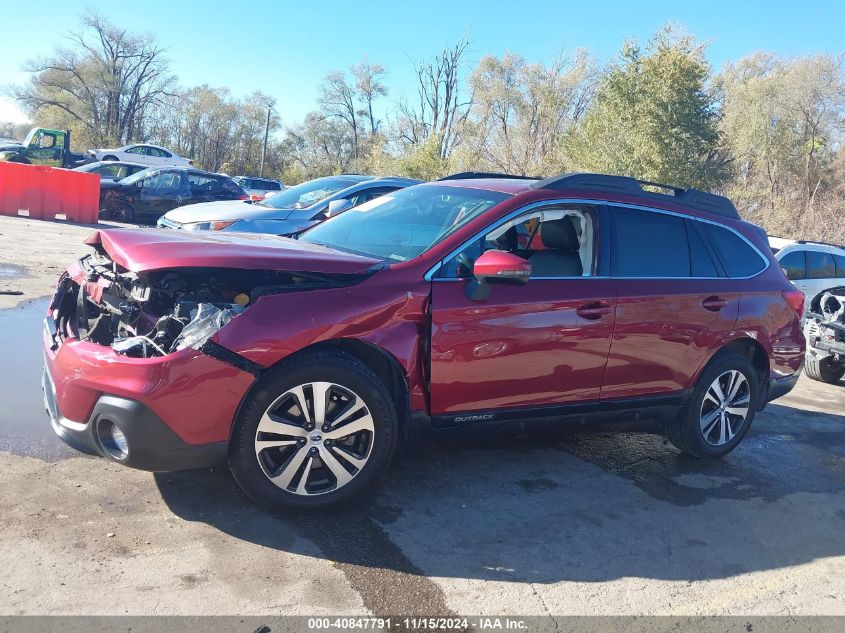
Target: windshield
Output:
{"points": [[403, 224], [308, 193]]}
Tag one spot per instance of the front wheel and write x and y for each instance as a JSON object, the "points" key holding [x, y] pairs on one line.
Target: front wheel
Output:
{"points": [[316, 432], [109, 157], [122, 213], [720, 411]]}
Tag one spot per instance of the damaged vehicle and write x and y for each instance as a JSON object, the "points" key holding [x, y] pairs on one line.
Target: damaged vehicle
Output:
{"points": [[824, 329], [471, 301]]}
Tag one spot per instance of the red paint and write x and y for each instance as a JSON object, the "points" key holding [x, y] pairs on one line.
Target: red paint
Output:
{"points": [[147, 250], [195, 394], [524, 346], [501, 265]]}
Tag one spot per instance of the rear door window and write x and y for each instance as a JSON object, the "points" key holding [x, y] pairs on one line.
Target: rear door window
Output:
{"points": [[839, 260], [820, 265], [635, 253], [739, 258], [794, 264]]}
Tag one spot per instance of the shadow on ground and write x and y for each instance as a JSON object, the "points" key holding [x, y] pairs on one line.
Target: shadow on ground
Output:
{"points": [[554, 504]]}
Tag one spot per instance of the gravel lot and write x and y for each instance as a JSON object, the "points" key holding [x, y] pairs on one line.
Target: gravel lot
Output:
{"points": [[552, 521]]}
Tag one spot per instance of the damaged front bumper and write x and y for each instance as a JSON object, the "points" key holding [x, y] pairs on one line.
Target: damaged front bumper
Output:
{"points": [[159, 414]]}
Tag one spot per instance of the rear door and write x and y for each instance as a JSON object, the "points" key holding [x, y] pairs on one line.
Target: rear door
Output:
{"points": [[538, 344], [674, 302], [821, 272]]}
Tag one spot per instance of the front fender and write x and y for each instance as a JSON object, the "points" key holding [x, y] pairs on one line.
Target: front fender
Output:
{"points": [[389, 316]]}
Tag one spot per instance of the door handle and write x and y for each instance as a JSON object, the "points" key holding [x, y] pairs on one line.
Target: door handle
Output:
{"points": [[714, 304], [593, 310]]}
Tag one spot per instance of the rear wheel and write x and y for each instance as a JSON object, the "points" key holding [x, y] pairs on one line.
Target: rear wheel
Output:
{"points": [[823, 369], [721, 409], [316, 432]]}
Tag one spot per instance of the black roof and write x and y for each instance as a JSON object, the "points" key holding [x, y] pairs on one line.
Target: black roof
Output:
{"points": [[604, 183], [691, 198], [469, 175]]}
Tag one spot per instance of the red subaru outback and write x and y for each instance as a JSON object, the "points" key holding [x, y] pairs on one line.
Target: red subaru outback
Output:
{"points": [[477, 298]]}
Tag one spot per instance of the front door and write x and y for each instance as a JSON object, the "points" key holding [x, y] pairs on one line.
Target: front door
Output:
{"points": [[161, 192], [541, 343]]}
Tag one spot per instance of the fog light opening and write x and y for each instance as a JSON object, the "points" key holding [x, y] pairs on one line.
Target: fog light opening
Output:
{"points": [[112, 440]]}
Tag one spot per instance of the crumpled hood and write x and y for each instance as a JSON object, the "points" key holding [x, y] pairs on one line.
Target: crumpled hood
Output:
{"points": [[225, 210], [139, 250]]}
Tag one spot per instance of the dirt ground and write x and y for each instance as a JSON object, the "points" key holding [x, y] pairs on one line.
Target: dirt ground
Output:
{"points": [[553, 521], [33, 253]]}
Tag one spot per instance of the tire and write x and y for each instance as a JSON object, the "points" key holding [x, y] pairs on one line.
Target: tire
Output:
{"points": [[109, 157], [823, 369], [303, 480], [122, 213], [698, 430]]}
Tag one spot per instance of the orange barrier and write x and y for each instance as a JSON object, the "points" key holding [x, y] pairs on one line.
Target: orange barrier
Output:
{"points": [[45, 192]]}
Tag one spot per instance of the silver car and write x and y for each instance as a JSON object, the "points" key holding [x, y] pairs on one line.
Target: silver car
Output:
{"points": [[812, 266], [290, 211], [258, 188]]}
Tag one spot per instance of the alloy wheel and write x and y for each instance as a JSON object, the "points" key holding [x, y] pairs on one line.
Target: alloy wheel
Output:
{"points": [[725, 407], [314, 438]]}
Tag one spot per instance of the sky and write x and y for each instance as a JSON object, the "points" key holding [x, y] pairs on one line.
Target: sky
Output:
{"points": [[285, 48]]}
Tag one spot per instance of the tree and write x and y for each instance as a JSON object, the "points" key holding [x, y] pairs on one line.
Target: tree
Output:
{"points": [[653, 117], [104, 84], [439, 110], [521, 111], [369, 86], [782, 122], [337, 99]]}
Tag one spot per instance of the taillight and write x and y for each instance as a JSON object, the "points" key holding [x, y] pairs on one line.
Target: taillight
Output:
{"points": [[243, 197], [795, 299]]}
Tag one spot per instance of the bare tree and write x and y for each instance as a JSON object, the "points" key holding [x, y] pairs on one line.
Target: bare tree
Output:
{"points": [[337, 99], [369, 86], [106, 80], [521, 110], [439, 110]]}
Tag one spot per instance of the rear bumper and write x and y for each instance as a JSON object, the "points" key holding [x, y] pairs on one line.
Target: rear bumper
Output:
{"points": [[781, 386], [151, 443]]}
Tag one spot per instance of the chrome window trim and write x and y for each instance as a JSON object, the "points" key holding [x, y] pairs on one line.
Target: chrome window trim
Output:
{"points": [[429, 275]]}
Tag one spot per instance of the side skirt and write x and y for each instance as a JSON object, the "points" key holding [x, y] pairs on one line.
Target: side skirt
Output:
{"points": [[597, 412]]}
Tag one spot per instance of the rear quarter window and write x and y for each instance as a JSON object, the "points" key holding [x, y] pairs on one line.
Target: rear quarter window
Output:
{"points": [[739, 258]]}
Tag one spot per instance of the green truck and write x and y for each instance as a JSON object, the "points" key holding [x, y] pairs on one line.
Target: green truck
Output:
{"points": [[43, 146]]}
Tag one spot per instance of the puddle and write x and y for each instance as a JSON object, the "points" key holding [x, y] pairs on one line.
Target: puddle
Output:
{"points": [[24, 426], [8, 271]]}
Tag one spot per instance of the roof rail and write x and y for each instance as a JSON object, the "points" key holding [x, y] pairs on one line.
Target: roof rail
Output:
{"points": [[692, 198], [820, 243], [468, 175]]}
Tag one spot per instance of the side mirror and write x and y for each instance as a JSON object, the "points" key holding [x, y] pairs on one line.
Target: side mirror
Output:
{"points": [[499, 267], [337, 207], [140, 184]]}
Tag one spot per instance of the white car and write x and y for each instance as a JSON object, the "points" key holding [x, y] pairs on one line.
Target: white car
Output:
{"points": [[812, 266], [150, 155]]}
